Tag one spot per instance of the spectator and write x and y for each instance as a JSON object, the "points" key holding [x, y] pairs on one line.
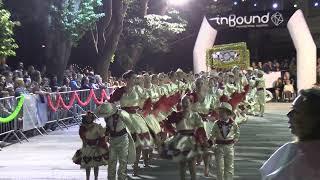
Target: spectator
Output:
{"points": [[20, 67], [286, 76], [2, 82], [43, 70], [9, 80], [278, 89], [85, 83], [3, 65], [74, 83], [27, 81], [20, 87], [45, 84], [92, 83], [288, 90], [54, 84], [277, 67], [99, 82], [268, 67], [299, 159], [293, 68], [31, 70], [6, 107], [285, 64], [259, 65], [66, 84]]}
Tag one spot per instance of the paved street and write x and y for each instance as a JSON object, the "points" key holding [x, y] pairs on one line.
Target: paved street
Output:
{"points": [[49, 157]]}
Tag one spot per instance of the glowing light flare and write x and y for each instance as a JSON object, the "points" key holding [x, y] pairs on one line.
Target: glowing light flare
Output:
{"points": [[275, 5], [178, 2]]}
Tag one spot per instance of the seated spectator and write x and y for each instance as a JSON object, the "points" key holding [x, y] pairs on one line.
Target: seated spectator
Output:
{"points": [[278, 89], [286, 76], [288, 90]]}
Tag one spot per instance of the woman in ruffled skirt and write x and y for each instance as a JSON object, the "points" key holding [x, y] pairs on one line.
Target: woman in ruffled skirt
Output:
{"points": [[94, 151], [189, 136]]}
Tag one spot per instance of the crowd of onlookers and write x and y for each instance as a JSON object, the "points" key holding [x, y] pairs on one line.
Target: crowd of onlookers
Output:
{"points": [[284, 88], [22, 80]]}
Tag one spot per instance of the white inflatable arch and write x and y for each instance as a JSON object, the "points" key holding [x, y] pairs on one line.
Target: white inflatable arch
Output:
{"points": [[301, 37]]}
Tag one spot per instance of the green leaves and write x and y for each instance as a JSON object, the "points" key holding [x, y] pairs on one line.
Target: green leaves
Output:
{"points": [[75, 17], [154, 32], [7, 43]]}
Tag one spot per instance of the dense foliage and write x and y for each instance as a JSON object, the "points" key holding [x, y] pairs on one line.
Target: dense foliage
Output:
{"points": [[7, 43], [148, 33], [75, 17]]}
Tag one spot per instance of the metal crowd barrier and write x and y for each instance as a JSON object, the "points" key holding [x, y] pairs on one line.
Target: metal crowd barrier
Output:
{"points": [[62, 118], [14, 127]]}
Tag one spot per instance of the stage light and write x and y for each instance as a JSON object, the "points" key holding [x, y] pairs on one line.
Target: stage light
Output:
{"points": [[235, 3], [275, 5], [177, 2], [316, 4], [243, 0], [255, 4], [215, 0], [295, 5]]}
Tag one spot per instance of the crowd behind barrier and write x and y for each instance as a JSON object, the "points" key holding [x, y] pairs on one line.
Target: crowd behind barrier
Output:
{"points": [[36, 116]]}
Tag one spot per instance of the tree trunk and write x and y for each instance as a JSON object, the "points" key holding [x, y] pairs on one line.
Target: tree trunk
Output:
{"points": [[144, 7], [111, 38], [58, 50]]}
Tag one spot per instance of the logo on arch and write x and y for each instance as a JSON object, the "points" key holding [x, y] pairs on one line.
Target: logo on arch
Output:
{"points": [[277, 18]]}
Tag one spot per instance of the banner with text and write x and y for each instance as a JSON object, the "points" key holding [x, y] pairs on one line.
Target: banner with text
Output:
{"points": [[265, 19]]}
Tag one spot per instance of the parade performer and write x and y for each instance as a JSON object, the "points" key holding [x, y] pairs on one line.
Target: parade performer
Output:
{"points": [[204, 103], [122, 147], [153, 95], [94, 151], [261, 92], [129, 99], [185, 145], [224, 134]]}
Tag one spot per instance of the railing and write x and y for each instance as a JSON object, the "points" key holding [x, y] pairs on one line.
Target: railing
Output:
{"points": [[61, 118]]}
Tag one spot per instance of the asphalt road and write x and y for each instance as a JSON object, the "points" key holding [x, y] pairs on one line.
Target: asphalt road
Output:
{"points": [[49, 157]]}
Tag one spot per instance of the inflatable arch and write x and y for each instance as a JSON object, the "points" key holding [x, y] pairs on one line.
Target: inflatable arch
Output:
{"points": [[301, 37]]}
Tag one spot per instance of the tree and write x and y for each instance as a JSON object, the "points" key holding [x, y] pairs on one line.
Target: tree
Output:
{"points": [[147, 33], [106, 33], [7, 43], [68, 21]]}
